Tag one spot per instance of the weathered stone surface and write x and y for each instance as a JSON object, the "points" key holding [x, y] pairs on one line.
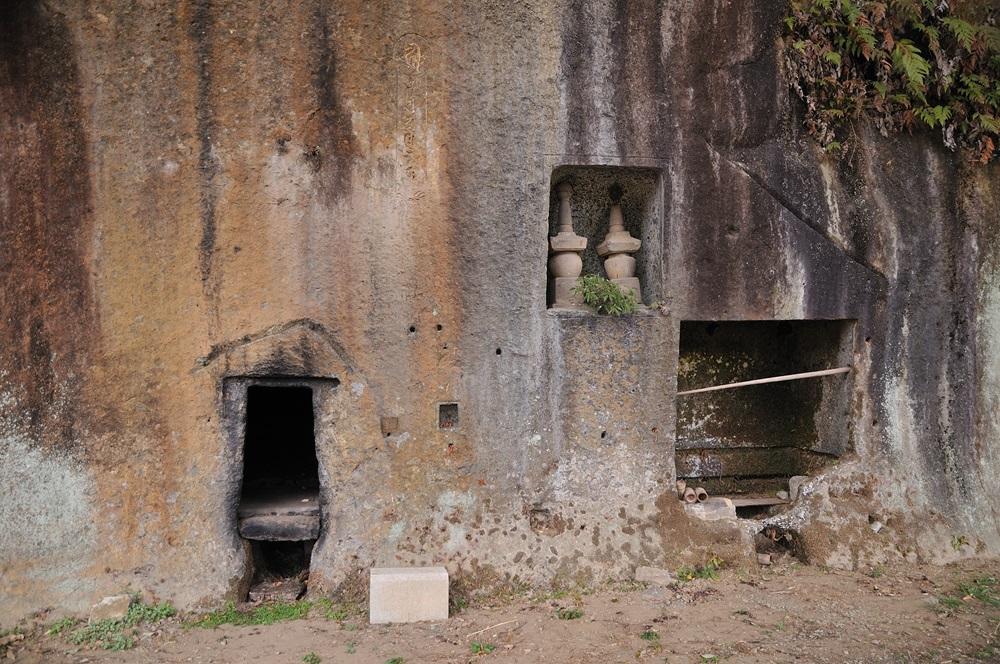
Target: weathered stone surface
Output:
{"points": [[113, 607], [407, 594], [284, 590], [197, 193], [712, 509], [654, 576], [280, 528], [795, 484]]}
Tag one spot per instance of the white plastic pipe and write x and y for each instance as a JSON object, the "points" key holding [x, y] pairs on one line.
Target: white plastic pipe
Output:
{"points": [[772, 379]]}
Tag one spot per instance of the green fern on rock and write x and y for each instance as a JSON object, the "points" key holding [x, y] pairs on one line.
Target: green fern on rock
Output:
{"points": [[904, 64]]}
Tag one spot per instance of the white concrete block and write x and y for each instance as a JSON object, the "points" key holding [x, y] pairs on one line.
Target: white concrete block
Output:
{"points": [[407, 594]]}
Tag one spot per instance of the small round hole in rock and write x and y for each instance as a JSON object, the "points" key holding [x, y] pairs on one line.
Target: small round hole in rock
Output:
{"points": [[604, 434], [499, 352], [412, 329]]}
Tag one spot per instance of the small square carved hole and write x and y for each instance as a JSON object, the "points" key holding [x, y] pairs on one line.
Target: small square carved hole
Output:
{"points": [[448, 416]]}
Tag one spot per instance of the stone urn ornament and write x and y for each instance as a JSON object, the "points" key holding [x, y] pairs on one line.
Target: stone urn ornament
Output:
{"points": [[618, 247], [565, 261]]}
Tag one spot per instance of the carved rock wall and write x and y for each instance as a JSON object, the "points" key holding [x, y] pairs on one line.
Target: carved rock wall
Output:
{"points": [[197, 190]]}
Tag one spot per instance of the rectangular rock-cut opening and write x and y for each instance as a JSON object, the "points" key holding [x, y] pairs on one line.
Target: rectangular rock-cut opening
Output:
{"points": [[279, 507], [748, 441], [448, 416]]}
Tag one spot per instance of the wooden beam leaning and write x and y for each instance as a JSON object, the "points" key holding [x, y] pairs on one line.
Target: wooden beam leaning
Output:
{"points": [[772, 379]]}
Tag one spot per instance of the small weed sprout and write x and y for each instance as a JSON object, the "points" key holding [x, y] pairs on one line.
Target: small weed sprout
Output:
{"points": [[265, 614], [336, 612], [480, 648], [650, 635], [984, 589], [395, 660], [958, 541], [118, 634], [709, 571], [60, 626], [605, 295], [568, 613], [352, 647], [311, 658]]}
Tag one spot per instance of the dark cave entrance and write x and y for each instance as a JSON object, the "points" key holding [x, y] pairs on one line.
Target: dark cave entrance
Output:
{"points": [[279, 510], [280, 441]]}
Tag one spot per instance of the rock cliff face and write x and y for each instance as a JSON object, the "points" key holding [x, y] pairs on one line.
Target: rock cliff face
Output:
{"points": [[195, 191]]}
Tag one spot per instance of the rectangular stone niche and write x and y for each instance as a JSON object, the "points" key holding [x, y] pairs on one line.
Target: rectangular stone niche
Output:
{"points": [[750, 440], [591, 200]]}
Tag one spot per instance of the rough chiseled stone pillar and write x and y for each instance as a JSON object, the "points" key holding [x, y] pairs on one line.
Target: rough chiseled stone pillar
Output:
{"points": [[617, 248], [565, 262]]}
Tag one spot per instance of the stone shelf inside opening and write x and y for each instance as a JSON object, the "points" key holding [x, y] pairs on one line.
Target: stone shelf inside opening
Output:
{"points": [[279, 515]]}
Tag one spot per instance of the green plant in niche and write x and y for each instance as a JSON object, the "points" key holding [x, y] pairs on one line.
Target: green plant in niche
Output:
{"points": [[605, 295], [903, 63]]}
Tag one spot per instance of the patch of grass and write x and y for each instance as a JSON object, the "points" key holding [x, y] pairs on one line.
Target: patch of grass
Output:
{"points": [[950, 602], [311, 658], [984, 589], [709, 571], [457, 604], [112, 634], [568, 613], [395, 660], [605, 295], [576, 594], [149, 613], [480, 648], [876, 572], [265, 614], [987, 653], [352, 647], [336, 612], [60, 626], [650, 635]]}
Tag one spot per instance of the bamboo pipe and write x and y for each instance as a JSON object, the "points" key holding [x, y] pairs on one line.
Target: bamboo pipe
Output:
{"points": [[701, 494], [690, 496], [772, 379]]}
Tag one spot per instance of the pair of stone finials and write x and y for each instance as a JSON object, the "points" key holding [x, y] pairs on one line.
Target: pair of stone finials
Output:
{"points": [[566, 263]]}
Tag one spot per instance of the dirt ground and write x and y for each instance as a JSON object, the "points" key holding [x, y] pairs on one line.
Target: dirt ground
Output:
{"points": [[784, 613]]}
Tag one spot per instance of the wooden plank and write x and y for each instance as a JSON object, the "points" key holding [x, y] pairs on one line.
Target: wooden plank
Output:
{"points": [[772, 379], [745, 501]]}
